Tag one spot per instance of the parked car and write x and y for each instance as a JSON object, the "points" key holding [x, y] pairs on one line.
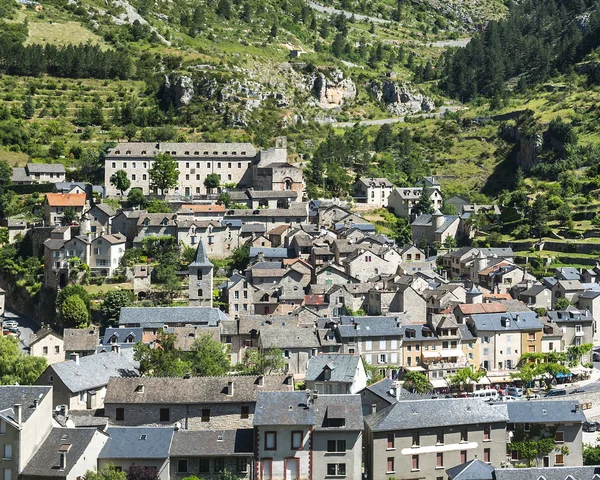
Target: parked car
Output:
{"points": [[576, 390], [596, 357], [514, 391], [590, 426], [9, 324], [559, 392], [13, 330]]}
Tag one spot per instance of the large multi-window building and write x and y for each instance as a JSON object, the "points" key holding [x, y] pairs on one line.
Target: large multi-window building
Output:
{"points": [[238, 164]]}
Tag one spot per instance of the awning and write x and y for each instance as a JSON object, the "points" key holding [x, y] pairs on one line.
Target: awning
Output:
{"points": [[580, 370], [501, 379], [563, 375], [439, 383], [431, 354], [452, 352], [416, 368], [483, 381]]}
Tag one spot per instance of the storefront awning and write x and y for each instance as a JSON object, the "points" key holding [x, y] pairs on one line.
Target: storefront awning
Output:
{"points": [[439, 383], [431, 354], [451, 352], [483, 381], [501, 379], [416, 368]]}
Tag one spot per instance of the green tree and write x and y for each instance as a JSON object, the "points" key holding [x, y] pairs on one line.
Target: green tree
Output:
{"points": [[224, 199], [224, 9], [130, 131], [539, 215], [465, 376], [562, 303], [212, 181], [537, 442], [142, 472], [262, 362], [163, 172], [16, 367], [163, 361], [120, 181], [136, 197], [6, 173], [57, 149], [28, 107], [71, 290], [596, 220], [106, 473], [416, 382], [240, 258], [69, 216], [424, 205], [74, 313], [112, 304], [450, 242], [591, 455], [208, 358]]}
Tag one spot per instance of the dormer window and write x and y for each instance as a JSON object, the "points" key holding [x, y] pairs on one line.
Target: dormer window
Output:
{"points": [[196, 153], [186, 153], [173, 153], [128, 152], [146, 221], [143, 152], [215, 153], [129, 339], [117, 152], [205, 153], [243, 153], [114, 339], [234, 153], [165, 221], [224, 153]]}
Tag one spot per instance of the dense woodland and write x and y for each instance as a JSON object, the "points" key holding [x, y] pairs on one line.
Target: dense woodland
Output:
{"points": [[535, 41]]}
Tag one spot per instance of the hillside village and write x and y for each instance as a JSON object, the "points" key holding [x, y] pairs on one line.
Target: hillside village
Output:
{"points": [[343, 354]]}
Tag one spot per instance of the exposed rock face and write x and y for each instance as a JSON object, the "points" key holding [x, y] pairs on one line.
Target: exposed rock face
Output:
{"points": [[184, 91], [529, 146], [178, 89], [400, 100], [335, 92]]}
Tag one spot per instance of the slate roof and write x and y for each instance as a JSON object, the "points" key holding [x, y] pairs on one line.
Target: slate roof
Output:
{"points": [[106, 209], [570, 314], [570, 285], [46, 461], [533, 291], [137, 443], [253, 228], [370, 327], [192, 390], [545, 411], [494, 321], [66, 199], [382, 389], [348, 407], [201, 258], [590, 294], [548, 473], [567, 273], [375, 182], [257, 322], [81, 339], [24, 395], [121, 335], [292, 337], [472, 470], [94, 371], [19, 174], [54, 243], [156, 317], [46, 168], [343, 367], [269, 252], [413, 414], [213, 443], [150, 149], [283, 408], [42, 333]]}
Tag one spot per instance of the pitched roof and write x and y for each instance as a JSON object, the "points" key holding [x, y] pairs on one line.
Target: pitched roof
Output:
{"points": [[545, 411], [534, 291], [279, 230], [342, 367], [46, 168], [382, 389], [24, 395], [315, 300], [212, 443], [497, 321], [42, 333], [81, 339], [348, 407], [376, 182], [46, 460], [253, 228], [106, 209], [441, 412], [201, 258], [193, 390], [283, 408], [137, 443], [475, 308], [113, 239], [269, 252], [472, 470], [196, 149], [570, 314], [155, 317], [204, 208], [121, 334], [548, 473], [94, 371], [66, 199], [292, 337]]}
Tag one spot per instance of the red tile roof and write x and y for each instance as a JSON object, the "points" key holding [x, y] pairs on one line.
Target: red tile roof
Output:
{"points": [[315, 300], [475, 308], [204, 208], [66, 199]]}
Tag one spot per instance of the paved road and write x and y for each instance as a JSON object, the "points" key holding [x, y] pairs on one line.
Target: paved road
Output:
{"points": [[334, 11], [383, 121], [26, 325]]}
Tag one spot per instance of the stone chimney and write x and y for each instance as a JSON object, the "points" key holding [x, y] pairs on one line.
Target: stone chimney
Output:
{"points": [[36, 403], [261, 380], [75, 358], [17, 409], [116, 348], [230, 388]]}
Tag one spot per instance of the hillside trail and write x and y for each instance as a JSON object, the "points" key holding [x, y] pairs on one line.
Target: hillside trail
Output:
{"points": [[334, 11], [383, 121]]}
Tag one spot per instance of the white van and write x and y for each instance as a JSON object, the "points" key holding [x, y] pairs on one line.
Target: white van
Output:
{"points": [[486, 394]]}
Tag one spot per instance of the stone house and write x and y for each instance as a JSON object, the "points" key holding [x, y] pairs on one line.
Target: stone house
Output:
{"points": [[331, 215], [100, 218], [502, 276], [364, 264], [238, 293], [25, 420], [106, 252], [295, 215], [144, 446], [220, 237], [277, 235], [536, 296], [80, 341], [210, 452], [422, 438], [434, 228], [469, 261], [153, 319], [66, 453], [561, 419], [55, 205], [80, 383], [569, 289], [38, 173], [265, 198], [333, 274], [48, 344], [17, 226], [373, 191], [505, 337], [397, 298], [297, 345], [336, 373], [301, 436], [348, 297], [590, 301], [195, 403], [126, 223], [205, 212], [578, 328], [402, 200]]}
